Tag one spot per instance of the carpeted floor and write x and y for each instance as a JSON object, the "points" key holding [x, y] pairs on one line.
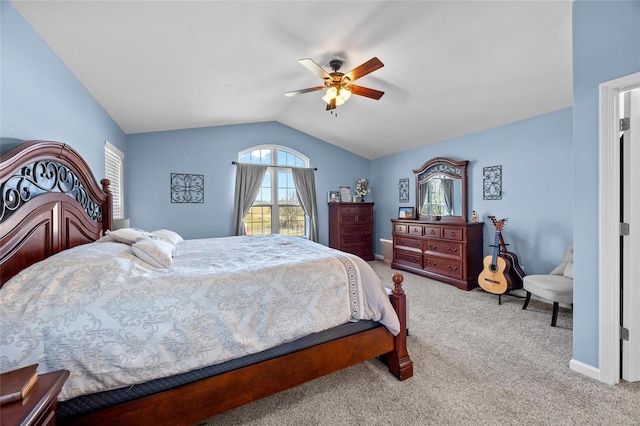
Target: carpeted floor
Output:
{"points": [[475, 363]]}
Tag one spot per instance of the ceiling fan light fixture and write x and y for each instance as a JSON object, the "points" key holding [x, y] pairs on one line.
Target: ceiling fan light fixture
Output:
{"points": [[339, 100], [345, 93], [326, 99], [332, 92]]}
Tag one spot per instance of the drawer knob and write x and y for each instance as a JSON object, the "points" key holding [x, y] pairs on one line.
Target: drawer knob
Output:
{"points": [[453, 268], [433, 247], [454, 250]]}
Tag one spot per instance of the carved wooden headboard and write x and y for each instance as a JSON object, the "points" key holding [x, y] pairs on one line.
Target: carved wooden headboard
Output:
{"points": [[50, 202]]}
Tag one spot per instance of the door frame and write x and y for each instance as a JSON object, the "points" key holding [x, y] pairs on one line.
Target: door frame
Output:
{"points": [[609, 231]]}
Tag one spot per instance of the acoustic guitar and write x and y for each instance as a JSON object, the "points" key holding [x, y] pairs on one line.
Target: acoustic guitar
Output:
{"points": [[495, 277], [516, 272]]}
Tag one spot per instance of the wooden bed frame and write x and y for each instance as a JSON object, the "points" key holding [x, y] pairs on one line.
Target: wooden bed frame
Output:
{"points": [[51, 202]]}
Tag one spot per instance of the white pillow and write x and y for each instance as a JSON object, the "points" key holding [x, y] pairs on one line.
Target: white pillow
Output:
{"points": [[168, 235], [155, 252], [129, 235]]}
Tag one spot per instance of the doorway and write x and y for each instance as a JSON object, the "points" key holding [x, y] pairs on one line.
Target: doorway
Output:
{"points": [[616, 359]]}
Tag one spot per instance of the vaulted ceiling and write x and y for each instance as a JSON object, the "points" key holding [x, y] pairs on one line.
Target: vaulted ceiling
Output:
{"points": [[451, 67]]}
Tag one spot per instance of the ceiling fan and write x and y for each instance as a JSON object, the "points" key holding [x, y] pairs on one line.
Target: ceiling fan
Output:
{"points": [[339, 85]]}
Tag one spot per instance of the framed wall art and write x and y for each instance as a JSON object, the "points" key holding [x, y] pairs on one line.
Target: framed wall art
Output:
{"points": [[492, 183], [187, 188], [333, 196]]}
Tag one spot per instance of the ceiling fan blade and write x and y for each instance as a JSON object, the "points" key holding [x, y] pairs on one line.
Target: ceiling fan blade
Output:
{"points": [[301, 91], [365, 91], [368, 67], [314, 68]]}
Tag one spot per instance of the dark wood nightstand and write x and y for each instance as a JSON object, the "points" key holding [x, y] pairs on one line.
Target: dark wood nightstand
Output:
{"points": [[39, 406]]}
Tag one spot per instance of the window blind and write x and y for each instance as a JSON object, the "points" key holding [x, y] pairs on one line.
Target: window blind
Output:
{"points": [[114, 166]]}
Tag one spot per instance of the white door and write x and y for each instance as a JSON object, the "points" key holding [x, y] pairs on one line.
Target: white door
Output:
{"points": [[630, 184]]}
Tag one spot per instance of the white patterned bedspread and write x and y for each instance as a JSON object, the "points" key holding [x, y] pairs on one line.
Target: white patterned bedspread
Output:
{"points": [[114, 321]]}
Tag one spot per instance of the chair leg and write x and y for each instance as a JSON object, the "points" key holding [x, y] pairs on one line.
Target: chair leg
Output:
{"points": [[526, 300], [554, 316]]}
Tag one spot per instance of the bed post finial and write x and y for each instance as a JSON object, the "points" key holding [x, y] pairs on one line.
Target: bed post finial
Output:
{"points": [[397, 279]]}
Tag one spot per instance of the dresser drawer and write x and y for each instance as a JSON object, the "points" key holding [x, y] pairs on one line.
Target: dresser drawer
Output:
{"points": [[415, 230], [356, 217], [355, 229], [450, 268], [409, 243], [442, 247], [364, 251], [356, 239], [433, 231], [354, 208], [408, 258], [401, 228], [453, 233]]}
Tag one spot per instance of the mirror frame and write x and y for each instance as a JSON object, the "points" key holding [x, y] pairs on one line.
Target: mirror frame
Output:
{"points": [[448, 167]]}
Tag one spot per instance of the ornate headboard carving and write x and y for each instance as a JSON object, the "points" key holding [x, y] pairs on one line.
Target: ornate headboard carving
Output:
{"points": [[50, 201]]}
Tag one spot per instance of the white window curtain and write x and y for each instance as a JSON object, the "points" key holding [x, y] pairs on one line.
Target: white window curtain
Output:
{"points": [[114, 171], [305, 182], [248, 180]]}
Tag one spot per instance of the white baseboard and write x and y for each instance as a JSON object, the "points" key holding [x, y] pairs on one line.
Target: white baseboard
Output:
{"points": [[585, 369], [378, 256]]}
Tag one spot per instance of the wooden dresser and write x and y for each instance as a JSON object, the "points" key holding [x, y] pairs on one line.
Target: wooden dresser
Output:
{"points": [[351, 228], [445, 251]]}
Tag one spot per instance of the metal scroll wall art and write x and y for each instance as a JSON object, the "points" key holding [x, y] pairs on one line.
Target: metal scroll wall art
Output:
{"points": [[492, 183], [403, 189], [43, 177], [187, 188]]}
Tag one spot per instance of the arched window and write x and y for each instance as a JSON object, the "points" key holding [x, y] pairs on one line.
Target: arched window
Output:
{"points": [[276, 209]]}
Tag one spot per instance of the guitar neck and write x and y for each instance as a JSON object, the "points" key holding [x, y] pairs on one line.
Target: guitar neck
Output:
{"points": [[496, 247], [503, 246]]}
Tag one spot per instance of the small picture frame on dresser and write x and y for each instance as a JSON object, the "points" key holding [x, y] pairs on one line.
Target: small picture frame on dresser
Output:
{"points": [[406, 213], [345, 194], [333, 197]]}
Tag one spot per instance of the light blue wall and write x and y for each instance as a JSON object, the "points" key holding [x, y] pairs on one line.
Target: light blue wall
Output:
{"points": [[41, 99], [536, 159], [209, 151], [606, 45]]}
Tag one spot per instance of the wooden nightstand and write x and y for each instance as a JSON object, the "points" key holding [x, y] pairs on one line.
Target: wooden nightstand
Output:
{"points": [[39, 406]]}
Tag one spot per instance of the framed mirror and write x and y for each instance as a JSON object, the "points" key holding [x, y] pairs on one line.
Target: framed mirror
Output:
{"points": [[441, 190]]}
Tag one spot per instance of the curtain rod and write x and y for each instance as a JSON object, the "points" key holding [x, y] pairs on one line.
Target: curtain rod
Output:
{"points": [[291, 167]]}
